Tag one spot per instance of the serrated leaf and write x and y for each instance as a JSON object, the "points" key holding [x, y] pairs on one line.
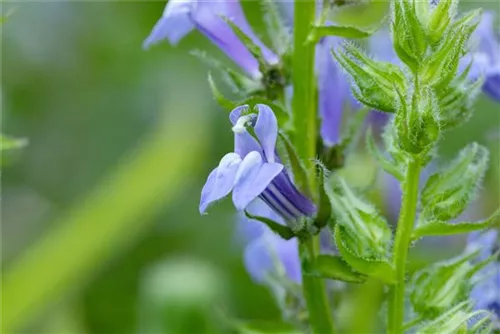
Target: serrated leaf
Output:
{"points": [[219, 97], [380, 269], [333, 267], [387, 165], [283, 231], [436, 227], [8, 143]]}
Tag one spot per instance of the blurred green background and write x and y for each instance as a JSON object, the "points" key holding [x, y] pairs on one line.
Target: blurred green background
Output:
{"points": [[100, 225]]}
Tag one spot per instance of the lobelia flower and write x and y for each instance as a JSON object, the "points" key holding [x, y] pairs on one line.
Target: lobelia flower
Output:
{"points": [[254, 170], [333, 91], [486, 58], [266, 253], [180, 17], [486, 293]]}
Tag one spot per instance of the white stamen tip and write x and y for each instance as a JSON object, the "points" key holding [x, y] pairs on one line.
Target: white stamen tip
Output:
{"points": [[240, 125]]}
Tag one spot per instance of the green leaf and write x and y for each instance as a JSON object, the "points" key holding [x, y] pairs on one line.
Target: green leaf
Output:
{"points": [[261, 327], [380, 269], [437, 227], [333, 267], [283, 231], [387, 165], [318, 32], [354, 128], [298, 168], [221, 99], [8, 143]]}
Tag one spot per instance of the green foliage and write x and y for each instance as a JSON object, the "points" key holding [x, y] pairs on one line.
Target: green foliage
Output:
{"points": [[448, 192], [283, 231], [280, 34], [375, 83], [439, 287], [388, 165], [333, 267], [438, 227], [416, 122], [289, 155], [455, 320], [360, 232]]}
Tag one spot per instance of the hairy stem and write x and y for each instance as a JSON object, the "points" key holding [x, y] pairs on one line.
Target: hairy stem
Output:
{"points": [[403, 236]]}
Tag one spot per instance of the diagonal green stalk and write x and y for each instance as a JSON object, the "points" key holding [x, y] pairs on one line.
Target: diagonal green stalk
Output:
{"points": [[402, 243], [304, 139]]}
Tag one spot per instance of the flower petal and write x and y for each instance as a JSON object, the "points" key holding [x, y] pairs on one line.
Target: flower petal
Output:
{"points": [[271, 254], [266, 130], [254, 175], [244, 143], [221, 181], [173, 25]]}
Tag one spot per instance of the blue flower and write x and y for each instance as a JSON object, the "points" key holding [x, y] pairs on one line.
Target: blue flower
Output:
{"points": [[486, 57], [254, 169], [333, 91], [266, 253], [486, 294], [181, 17]]}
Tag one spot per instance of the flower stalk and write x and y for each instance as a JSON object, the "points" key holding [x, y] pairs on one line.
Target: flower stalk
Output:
{"points": [[402, 242], [304, 121]]}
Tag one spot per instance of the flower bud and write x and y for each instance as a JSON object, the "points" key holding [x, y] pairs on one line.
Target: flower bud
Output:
{"points": [[408, 34], [374, 83], [417, 124], [440, 19]]}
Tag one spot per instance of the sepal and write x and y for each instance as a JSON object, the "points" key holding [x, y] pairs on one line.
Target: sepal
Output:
{"points": [[447, 193], [324, 214], [440, 19], [416, 122], [333, 267], [387, 164], [293, 160], [282, 230], [409, 38], [219, 97], [440, 228], [277, 30], [374, 82], [251, 46], [320, 31]]}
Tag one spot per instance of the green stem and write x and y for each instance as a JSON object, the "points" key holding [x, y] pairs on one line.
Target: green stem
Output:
{"points": [[320, 316], [403, 237], [304, 138], [303, 101]]}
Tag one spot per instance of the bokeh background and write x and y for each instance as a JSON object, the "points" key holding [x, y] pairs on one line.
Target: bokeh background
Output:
{"points": [[100, 225]]}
